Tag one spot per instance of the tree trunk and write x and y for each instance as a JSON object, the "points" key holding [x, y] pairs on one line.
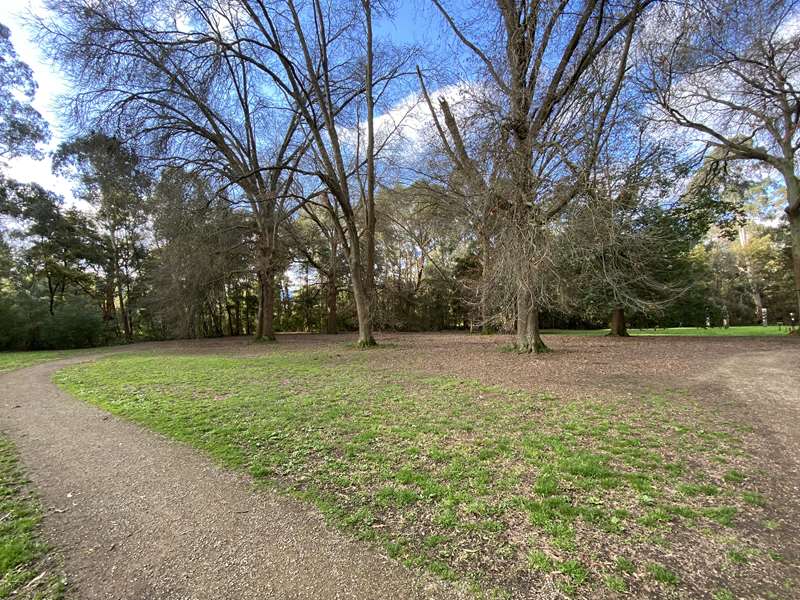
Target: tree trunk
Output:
{"points": [[794, 226], [759, 304], [793, 212], [363, 309], [529, 337], [363, 304], [484, 278], [331, 310], [618, 327], [247, 323], [123, 313], [369, 199], [331, 326], [266, 306], [237, 311], [522, 320], [535, 342]]}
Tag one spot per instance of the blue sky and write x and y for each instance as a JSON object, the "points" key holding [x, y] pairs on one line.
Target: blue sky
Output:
{"points": [[415, 22]]}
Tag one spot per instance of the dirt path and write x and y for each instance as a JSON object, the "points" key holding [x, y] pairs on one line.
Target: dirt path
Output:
{"points": [[138, 516], [767, 386]]}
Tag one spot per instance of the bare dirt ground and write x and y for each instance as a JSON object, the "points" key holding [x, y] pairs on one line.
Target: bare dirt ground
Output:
{"points": [[138, 516]]}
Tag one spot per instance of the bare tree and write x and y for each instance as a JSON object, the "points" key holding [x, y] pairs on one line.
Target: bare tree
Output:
{"points": [[730, 73], [323, 58], [181, 93], [476, 180], [552, 64]]}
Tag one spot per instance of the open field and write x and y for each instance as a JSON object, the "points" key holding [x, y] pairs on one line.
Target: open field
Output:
{"points": [[735, 331], [26, 570], [607, 467]]}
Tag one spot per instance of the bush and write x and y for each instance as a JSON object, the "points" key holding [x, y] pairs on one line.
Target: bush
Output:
{"points": [[26, 323]]}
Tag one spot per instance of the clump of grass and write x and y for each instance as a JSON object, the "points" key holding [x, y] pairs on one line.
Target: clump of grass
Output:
{"points": [[734, 476], [615, 583], [22, 554], [624, 565], [662, 574], [774, 555], [738, 556], [721, 514], [754, 498], [539, 561]]}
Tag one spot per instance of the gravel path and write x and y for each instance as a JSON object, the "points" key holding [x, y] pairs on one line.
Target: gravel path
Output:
{"points": [[138, 516]]}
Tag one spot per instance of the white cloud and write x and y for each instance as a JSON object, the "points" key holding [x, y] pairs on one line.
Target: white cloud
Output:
{"points": [[50, 85]]}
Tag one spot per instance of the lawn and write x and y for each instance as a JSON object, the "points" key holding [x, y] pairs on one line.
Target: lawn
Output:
{"points": [[26, 571], [735, 331], [508, 491], [10, 361]]}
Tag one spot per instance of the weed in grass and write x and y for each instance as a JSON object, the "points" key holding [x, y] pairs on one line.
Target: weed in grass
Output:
{"points": [[393, 549], [539, 561], [441, 569], [575, 570], [721, 514], [754, 498], [655, 518], [738, 557], [661, 574], [693, 489], [722, 594], [546, 485], [624, 565], [776, 556], [734, 476], [615, 583]]}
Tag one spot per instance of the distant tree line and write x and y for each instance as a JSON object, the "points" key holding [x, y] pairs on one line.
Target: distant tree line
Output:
{"points": [[244, 168]]}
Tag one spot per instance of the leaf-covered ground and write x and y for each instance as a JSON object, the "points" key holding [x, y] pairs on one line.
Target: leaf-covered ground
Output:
{"points": [[26, 570], [511, 491]]}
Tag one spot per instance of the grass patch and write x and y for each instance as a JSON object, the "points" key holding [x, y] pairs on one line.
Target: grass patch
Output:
{"points": [[440, 471], [662, 574], [615, 583], [23, 557], [11, 361], [736, 331], [754, 498]]}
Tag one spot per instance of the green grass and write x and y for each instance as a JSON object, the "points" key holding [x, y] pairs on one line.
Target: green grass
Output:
{"points": [[10, 361], [442, 471], [662, 574], [737, 330], [22, 555]]}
